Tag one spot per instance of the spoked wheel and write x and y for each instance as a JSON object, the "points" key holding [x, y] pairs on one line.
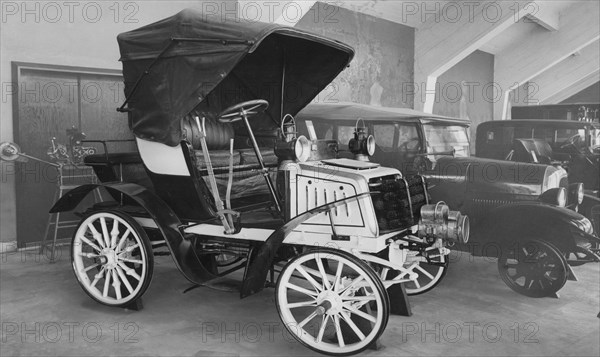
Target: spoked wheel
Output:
{"points": [[534, 269], [332, 302], [112, 258], [580, 255], [430, 273]]}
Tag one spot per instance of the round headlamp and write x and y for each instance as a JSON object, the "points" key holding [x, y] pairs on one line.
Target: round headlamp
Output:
{"points": [[302, 148], [297, 149], [576, 193], [554, 196]]}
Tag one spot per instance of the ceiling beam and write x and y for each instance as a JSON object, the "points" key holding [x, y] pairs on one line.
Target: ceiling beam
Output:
{"points": [[440, 45], [573, 89], [542, 50], [547, 16], [565, 74]]}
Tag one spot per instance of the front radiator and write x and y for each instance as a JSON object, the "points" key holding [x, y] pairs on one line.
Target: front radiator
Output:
{"points": [[398, 201]]}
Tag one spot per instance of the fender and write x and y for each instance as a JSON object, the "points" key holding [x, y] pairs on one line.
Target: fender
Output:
{"points": [[523, 221], [256, 274], [182, 250]]}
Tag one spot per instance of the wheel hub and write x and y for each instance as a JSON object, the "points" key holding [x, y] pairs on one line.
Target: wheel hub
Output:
{"points": [[329, 302], [108, 258]]}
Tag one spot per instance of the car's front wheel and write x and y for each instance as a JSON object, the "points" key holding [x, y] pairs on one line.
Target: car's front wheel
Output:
{"points": [[535, 268]]}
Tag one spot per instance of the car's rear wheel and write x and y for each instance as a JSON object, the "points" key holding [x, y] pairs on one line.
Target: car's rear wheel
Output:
{"points": [[112, 258]]}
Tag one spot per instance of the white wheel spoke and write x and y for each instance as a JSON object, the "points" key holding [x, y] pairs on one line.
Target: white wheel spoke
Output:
{"points": [[384, 272], [114, 233], [90, 267], [352, 285], [116, 285], [105, 232], [88, 242], [129, 271], [364, 315], [416, 281], [310, 279], [129, 249], [97, 277], [106, 283], [122, 240], [425, 272], [338, 330], [324, 277], [307, 319], [352, 325], [359, 298], [124, 279], [317, 274], [324, 320], [301, 289], [294, 305], [338, 276], [134, 261], [97, 236]]}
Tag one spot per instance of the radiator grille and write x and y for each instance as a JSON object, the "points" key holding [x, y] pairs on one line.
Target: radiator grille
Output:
{"points": [[398, 201]]}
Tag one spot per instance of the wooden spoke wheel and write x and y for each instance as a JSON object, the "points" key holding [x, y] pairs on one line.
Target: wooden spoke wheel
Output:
{"points": [[430, 273], [332, 302], [535, 268], [112, 258]]}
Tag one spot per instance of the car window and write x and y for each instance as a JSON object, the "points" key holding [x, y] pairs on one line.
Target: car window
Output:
{"points": [[445, 138], [384, 136], [344, 134]]}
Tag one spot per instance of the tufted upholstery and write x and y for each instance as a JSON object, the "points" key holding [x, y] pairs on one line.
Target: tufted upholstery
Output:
{"points": [[217, 134]]}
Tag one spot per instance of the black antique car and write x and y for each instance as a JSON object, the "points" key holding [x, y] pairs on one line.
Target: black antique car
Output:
{"points": [[221, 180], [517, 210], [573, 144]]}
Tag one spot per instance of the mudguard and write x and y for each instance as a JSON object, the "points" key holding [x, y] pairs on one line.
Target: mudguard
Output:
{"points": [[182, 250], [256, 275], [522, 221]]}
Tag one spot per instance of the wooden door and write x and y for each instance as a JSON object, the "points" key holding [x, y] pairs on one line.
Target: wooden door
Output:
{"points": [[50, 100]]}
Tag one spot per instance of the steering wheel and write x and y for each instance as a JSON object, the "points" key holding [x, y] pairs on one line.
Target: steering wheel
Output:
{"points": [[243, 110], [571, 142], [413, 141]]}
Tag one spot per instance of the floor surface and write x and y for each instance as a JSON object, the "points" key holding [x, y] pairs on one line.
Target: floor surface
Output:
{"points": [[471, 313]]}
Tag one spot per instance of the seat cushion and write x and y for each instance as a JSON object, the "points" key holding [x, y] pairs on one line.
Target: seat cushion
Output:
{"points": [[218, 135]]}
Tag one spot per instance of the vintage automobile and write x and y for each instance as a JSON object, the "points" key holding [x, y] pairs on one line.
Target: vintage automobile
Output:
{"points": [[566, 111], [573, 144], [209, 107], [517, 210]]}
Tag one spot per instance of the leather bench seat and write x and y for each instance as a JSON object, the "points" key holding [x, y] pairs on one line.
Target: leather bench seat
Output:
{"points": [[246, 182]]}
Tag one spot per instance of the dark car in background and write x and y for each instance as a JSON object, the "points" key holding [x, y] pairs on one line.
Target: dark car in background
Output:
{"points": [[518, 210], [574, 145], [565, 111]]}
